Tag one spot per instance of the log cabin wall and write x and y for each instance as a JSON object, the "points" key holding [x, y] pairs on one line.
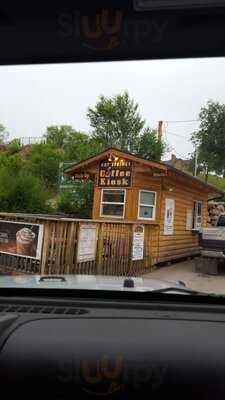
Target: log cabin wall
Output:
{"points": [[184, 242], [141, 180]]}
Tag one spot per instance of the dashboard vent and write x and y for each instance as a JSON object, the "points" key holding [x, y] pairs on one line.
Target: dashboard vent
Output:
{"points": [[36, 309]]}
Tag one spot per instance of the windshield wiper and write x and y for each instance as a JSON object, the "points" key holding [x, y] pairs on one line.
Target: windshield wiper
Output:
{"points": [[180, 290], [185, 291]]}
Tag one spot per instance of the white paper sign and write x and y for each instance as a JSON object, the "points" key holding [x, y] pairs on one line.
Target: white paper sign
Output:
{"points": [[138, 242], [189, 220], [87, 243], [169, 217]]}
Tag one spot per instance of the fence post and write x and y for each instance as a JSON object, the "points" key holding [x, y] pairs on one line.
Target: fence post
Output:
{"points": [[45, 249], [100, 248], [130, 244]]}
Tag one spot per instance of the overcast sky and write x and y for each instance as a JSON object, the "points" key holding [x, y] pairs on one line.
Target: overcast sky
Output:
{"points": [[34, 97]]}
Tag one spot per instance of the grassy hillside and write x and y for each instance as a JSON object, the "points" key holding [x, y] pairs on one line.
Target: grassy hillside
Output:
{"points": [[215, 180]]}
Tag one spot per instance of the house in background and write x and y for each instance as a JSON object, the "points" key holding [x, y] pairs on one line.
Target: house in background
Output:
{"points": [[169, 203], [178, 163]]}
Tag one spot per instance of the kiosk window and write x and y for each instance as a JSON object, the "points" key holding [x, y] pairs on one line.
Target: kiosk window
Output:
{"points": [[113, 203], [147, 204]]}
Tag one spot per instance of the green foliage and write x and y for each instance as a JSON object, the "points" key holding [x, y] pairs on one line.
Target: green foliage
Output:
{"points": [[44, 162], [116, 122], [13, 147], [149, 147], [77, 201], [21, 192], [13, 163], [215, 180], [210, 138], [79, 146], [57, 135], [74, 145]]}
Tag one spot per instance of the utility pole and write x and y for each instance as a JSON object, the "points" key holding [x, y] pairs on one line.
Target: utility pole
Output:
{"points": [[160, 131], [196, 161]]}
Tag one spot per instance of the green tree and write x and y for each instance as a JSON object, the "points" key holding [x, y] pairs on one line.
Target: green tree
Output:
{"points": [[57, 135], [77, 201], [210, 138], [149, 147], [13, 163], [22, 192], [44, 161], [77, 146], [13, 147], [116, 122]]}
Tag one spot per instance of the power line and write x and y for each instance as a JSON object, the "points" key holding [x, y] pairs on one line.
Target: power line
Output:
{"points": [[180, 155], [168, 144], [176, 134], [184, 121]]}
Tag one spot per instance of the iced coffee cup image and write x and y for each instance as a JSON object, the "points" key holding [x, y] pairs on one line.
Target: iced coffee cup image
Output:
{"points": [[25, 241]]}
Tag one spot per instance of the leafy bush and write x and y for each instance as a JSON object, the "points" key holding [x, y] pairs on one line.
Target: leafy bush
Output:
{"points": [[22, 192], [13, 163], [77, 201], [44, 163], [13, 147]]}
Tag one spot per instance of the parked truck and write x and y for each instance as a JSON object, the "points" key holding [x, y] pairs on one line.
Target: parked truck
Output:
{"points": [[212, 243]]}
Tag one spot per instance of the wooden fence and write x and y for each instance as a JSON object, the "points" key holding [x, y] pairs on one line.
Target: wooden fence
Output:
{"points": [[60, 244]]}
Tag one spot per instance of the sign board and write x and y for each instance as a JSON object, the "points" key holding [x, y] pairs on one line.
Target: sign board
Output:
{"points": [[64, 180], [169, 216], [68, 182], [87, 242], [115, 173], [21, 239], [80, 177], [138, 242], [189, 220]]}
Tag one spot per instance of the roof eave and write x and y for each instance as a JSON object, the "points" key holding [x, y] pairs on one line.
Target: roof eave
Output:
{"points": [[99, 156]]}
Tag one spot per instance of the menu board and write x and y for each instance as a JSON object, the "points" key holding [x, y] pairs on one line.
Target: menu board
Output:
{"points": [[138, 242], [169, 217], [87, 242], [115, 173]]}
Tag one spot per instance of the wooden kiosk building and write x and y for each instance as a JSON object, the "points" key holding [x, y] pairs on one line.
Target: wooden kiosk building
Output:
{"points": [[165, 206], [143, 213]]}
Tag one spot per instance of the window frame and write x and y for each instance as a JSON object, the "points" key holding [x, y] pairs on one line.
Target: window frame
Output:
{"points": [[195, 215], [110, 202], [147, 205]]}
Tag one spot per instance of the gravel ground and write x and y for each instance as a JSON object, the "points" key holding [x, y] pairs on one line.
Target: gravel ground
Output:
{"points": [[185, 272]]}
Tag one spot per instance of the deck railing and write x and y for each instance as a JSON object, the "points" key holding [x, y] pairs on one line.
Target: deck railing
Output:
{"points": [[60, 245]]}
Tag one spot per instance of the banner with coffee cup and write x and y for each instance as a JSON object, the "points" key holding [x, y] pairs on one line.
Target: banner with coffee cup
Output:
{"points": [[21, 239]]}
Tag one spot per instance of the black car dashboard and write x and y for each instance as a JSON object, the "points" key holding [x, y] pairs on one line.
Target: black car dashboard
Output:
{"points": [[114, 347]]}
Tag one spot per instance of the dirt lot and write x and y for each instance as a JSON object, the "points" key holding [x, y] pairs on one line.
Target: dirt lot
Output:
{"points": [[185, 272]]}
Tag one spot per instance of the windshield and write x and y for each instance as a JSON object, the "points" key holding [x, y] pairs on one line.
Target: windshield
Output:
{"points": [[114, 170]]}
